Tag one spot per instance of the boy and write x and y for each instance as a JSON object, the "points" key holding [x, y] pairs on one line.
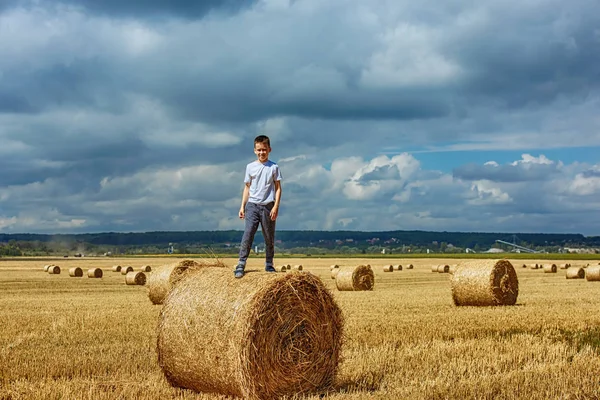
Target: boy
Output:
{"points": [[260, 203]]}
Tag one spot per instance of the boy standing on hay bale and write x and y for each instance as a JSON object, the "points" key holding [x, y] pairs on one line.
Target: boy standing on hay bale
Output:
{"points": [[260, 203]]}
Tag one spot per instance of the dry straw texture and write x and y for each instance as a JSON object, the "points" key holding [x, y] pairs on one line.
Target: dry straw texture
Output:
{"points": [[388, 268], [485, 283], [593, 273], [54, 270], [261, 337], [575, 273], [534, 266], [46, 267], [564, 266], [146, 268], [116, 268], [135, 278], [283, 268], [334, 272], [443, 268], [94, 273], [355, 279], [289, 266], [165, 276], [434, 268], [75, 272], [127, 269], [398, 267], [410, 266], [550, 268], [297, 267], [334, 266]]}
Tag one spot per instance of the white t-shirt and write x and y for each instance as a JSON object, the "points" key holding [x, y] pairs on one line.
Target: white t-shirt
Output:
{"points": [[262, 178]]}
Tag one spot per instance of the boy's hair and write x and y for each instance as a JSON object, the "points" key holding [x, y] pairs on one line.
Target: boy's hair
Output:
{"points": [[262, 139]]}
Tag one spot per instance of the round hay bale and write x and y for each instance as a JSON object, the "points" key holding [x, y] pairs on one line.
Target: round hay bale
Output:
{"points": [[164, 277], [54, 270], [444, 269], [452, 268], [485, 283], [116, 268], [289, 266], [398, 267], [75, 272], [355, 279], [524, 265], [146, 268], [221, 335], [593, 273], [297, 267], [135, 278], [575, 273], [410, 266], [388, 268], [127, 269], [434, 268], [283, 268], [334, 266], [334, 272], [46, 267], [94, 273], [564, 266], [533, 266], [549, 268]]}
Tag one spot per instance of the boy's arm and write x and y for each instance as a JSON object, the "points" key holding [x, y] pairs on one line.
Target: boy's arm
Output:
{"points": [[275, 209], [245, 195]]}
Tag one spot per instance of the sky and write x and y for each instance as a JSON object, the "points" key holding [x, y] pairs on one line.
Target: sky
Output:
{"points": [[131, 116]]}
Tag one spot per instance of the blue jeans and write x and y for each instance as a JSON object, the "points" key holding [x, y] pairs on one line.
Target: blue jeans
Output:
{"points": [[258, 214]]}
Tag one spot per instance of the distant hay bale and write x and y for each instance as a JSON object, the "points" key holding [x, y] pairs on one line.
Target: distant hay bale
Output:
{"points": [[410, 266], [334, 272], [549, 268], [221, 335], [164, 277], [289, 266], [534, 266], [564, 266], [46, 267], [388, 268], [593, 273], [283, 268], [334, 266], [485, 283], [355, 279], [398, 267], [434, 268], [297, 267], [444, 269], [452, 268], [75, 272], [116, 268], [146, 268], [575, 273], [524, 265], [54, 270], [127, 269], [94, 273], [135, 278]]}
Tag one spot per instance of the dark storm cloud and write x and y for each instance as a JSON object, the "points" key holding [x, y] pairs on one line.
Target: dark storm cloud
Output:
{"points": [[520, 172]]}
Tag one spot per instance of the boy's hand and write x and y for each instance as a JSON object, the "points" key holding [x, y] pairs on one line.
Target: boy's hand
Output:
{"points": [[241, 213], [274, 212]]}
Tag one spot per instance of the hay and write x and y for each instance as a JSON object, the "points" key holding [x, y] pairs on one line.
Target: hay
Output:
{"points": [[146, 268], [355, 279], [261, 337], [444, 269], [334, 266], [410, 266], [164, 277], [334, 272], [116, 268], [593, 273], [54, 270], [398, 267], [534, 266], [575, 273], [135, 278], [283, 268], [289, 266], [564, 266], [94, 273], [388, 268], [524, 265], [297, 267], [452, 268], [75, 272], [549, 268], [485, 283], [127, 269], [434, 268], [46, 267]]}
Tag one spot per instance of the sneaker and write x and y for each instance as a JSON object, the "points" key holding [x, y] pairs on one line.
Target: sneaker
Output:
{"points": [[269, 268], [239, 271]]}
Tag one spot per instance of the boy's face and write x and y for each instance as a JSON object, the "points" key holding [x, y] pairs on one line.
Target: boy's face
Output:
{"points": [[262, 151]]}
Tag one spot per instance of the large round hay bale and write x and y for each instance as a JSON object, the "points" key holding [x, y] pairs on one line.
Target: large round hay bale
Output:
{"points": [[46, 267], [221, 335], [485, 283], [116, 268], [135, 278], [444, 269], [334, 272], [575, 273], [355, 279], [398, 267], [388, 268], [164, 277], [550, 268], [54, 270], [593, 273], [297, 268], [94, 273], [146, 268], [126, 269], [75, 272]]}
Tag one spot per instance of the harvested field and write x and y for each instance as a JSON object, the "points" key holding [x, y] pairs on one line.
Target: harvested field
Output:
{"points": [[403, 340]]}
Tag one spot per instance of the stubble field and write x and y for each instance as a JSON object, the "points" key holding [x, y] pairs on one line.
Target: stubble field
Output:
{"points": [[81, 338]]}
